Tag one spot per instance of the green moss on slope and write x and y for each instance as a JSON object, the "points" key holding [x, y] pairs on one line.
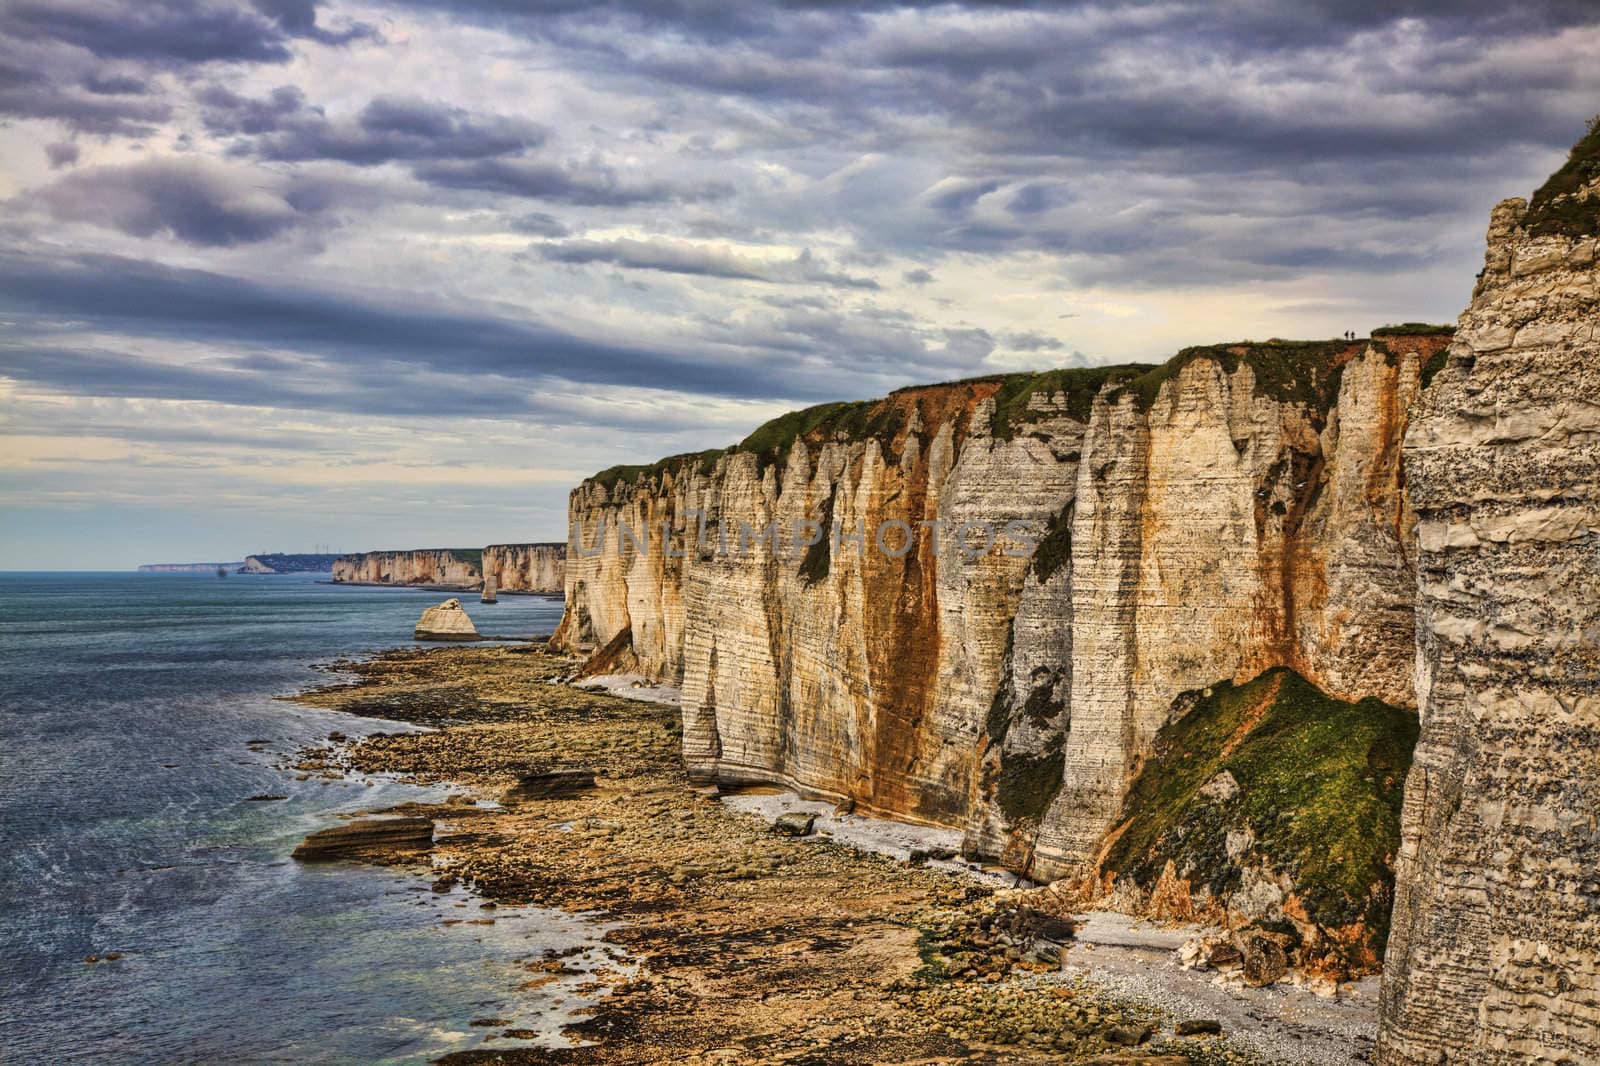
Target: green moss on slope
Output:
{"points": [[469, 555], [1303, 372], [858, 420], [1320, 783], [1080, 385], [1555, 209], [1412, 329], [612, 476], [1028, 783]]}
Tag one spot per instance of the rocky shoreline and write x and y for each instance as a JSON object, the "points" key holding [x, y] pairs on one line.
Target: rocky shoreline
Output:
{"points": [[750, 946]]}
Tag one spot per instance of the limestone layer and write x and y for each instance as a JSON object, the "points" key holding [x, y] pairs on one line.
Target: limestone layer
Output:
{"points": [[443, 567], [533, 568], [1236, 509], [1495, 950]]}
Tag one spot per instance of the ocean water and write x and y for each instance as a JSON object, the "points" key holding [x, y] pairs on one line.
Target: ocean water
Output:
{"points": [[126, 705]]}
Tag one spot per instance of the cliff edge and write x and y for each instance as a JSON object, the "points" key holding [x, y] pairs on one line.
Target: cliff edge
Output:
{"points": [[1495, 953]]}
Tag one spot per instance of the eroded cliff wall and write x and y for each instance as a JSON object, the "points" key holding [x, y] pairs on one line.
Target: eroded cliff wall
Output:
{"points": [[1236, 509], [539, 568], [1495, 951], [454, 568]]}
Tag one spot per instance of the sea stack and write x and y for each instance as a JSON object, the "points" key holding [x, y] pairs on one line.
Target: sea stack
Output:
{"points": [[490, 585], [448, 621]]}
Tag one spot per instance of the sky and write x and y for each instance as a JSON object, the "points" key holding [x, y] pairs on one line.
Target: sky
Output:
{"points": [[277, 274]]}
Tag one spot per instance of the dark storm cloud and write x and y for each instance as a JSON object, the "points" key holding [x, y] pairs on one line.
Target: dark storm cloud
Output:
{"points": [[28, 92], [192, 200], [104, 84], [109, 295], [676, 257], [284, 128], [173, 32]]}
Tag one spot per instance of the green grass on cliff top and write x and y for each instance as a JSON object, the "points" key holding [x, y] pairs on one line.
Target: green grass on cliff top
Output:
{"points": [[1305, 372], [1554, 210], [1320, 784]]}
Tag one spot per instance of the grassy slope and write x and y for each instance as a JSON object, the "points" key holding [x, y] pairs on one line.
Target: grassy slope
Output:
{"points": [[1553, 209], [1320, 787], [1306, 372]]}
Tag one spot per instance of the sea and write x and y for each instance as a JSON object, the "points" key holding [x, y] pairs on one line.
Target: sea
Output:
{"points": [[128, 702]]}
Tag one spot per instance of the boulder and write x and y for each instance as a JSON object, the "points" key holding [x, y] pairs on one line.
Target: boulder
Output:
{"points": [[448, 621], [1198, 1027], [794, 824], [369, 839], [1264, 960]]}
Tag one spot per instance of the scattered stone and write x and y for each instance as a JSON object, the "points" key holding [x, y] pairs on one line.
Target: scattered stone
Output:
{"points": [[369, 838], [794, 824], [448, 621], [263, 799]]}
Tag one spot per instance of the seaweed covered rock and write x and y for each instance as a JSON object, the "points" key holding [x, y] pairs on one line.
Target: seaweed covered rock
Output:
{"points": [[380, 840], [1274, 806]]}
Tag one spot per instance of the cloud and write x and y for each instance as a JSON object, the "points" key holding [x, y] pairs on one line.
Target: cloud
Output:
{"points": [[1027, 341], [590, 185], [283, 128], [61, 154], [678, 257], [539, 224], [27, 92], [173, 32], [919, 276], [191, 200], [111, 296]]}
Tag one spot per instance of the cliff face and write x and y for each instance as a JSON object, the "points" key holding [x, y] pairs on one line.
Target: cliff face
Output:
{"points": [[1495, 955], [526, 567], [446, 567], [286, 563], [1237, 509]]}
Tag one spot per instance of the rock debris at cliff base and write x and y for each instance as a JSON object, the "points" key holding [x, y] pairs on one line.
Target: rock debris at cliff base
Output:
{"points": [[754, 947]]}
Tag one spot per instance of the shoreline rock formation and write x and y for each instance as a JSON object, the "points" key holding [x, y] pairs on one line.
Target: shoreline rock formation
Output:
{"points": [[1230, 553], [287, 563], [1495, 954], [382, 840], [1237, 509], [514, 568], [447, 621], [535, 568]]}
